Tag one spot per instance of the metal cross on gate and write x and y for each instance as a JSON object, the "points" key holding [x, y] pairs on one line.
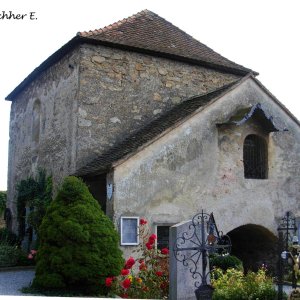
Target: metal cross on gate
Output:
{"points": [[193, 247]]}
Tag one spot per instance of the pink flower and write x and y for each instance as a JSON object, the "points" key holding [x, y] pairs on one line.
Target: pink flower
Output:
{"points": [[108, 281], [33, 252], [126, 283], [124, 272], [143, 222], [165, 251], [30, 256]]}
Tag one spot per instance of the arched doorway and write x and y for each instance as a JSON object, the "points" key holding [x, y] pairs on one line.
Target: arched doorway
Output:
{"points": [[254, 245]]}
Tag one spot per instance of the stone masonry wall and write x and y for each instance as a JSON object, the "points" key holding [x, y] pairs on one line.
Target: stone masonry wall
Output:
{"points": [[120, 91], [51, 145], [199, 166]]}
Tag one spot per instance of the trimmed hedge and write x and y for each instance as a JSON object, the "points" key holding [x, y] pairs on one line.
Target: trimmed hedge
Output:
{"points": [[226, 262], [79, 246]]}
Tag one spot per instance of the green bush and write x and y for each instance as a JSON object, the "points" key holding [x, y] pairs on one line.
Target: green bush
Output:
{"points": [[35, 193], [234, 285], [9, 255], [8, 237], [225, 262], [78, 243], [2, 202]]}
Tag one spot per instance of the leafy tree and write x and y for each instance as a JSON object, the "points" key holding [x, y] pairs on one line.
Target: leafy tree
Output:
{"points": [[35, 193], [78, 243]]}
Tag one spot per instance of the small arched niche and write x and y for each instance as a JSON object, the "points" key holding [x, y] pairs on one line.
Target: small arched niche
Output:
{"points": [[255, 157], [36, 122]]}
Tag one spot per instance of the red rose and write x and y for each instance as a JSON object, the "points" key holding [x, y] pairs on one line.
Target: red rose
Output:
{"points": [[124, 272], [142, 267], [126, 283], [159, 273], [149, 246], [108, 281], [152, 238], [165, 251], [143, 222], [129, 263]]}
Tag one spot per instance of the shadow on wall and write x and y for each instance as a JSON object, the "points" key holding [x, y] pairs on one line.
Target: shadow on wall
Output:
{"points": [[254, 245]]}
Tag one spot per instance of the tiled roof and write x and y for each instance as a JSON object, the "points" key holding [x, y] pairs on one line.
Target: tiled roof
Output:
{"points": [[153, 129], [146, 30]]}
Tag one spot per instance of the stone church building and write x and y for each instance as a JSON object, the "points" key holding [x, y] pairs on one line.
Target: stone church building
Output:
{"points": [[159, 126]]}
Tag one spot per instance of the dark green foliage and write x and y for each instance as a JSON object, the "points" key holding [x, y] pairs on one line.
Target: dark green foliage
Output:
{"points": [[36, 194], [226, 262], [2, 202], [8, 238], [8, 255], [78, 243]]}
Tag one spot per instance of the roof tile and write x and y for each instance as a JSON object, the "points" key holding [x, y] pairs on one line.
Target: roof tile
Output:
{"points": [[147, 30]]}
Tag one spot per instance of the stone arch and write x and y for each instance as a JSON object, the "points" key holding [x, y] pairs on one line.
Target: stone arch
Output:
{"points": [[254, 245]]}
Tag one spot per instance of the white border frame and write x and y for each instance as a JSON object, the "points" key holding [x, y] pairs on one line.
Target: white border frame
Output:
{"points": [[137, 231]]}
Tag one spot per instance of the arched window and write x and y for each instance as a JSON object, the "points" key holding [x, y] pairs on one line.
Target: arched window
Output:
{"points": [[36, 121], [255, 155]]}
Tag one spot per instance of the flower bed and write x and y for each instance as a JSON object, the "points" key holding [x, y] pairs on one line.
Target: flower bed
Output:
{"points": [[147, 276]]}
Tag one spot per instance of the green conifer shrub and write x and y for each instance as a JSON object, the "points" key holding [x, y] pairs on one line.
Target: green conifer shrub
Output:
{"points": [[78, 243]]}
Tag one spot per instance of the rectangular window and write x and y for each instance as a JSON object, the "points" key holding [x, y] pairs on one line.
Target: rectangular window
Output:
{"points": [[129, 230], [162, 236]]}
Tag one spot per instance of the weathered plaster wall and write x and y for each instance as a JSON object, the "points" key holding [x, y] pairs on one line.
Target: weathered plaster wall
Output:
{"points": [[197, 166], [56, 91], [120, 91]]}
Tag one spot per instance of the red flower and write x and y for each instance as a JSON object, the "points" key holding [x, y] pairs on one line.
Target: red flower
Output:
{"points": [[149, 245], [159, 273], [165, 251], [126, 283], [108, 281], [141, 261], [129, 263], [143, 222], [142, 267], [124, 272], [152, 238], [163, 285], [124, 296]]}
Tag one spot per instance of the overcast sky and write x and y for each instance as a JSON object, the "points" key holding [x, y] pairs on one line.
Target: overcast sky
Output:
{"points": [[260, 34]]}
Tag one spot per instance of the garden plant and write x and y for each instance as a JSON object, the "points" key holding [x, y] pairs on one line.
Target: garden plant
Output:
{"points": [[147, 275], [235, 285], [78, 245]]}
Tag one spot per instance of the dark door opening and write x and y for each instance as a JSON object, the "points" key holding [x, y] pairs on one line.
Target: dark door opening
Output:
{"points": [[97, 187], [254, 245]]}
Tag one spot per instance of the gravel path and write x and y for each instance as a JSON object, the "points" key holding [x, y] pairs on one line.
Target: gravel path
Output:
{"points": [[12, 281]]}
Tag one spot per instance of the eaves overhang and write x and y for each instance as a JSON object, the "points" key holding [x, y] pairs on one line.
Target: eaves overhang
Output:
{"points": [[256, 112]]}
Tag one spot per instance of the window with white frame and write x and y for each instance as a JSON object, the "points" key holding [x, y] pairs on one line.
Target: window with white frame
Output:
{"points": [[129, 231]]}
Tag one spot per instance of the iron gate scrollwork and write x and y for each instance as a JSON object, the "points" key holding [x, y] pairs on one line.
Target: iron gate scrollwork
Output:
{"points": [[194, 246]]}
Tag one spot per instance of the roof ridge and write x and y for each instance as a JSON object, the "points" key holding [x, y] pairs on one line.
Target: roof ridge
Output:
{"points": [[115, 24]]}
